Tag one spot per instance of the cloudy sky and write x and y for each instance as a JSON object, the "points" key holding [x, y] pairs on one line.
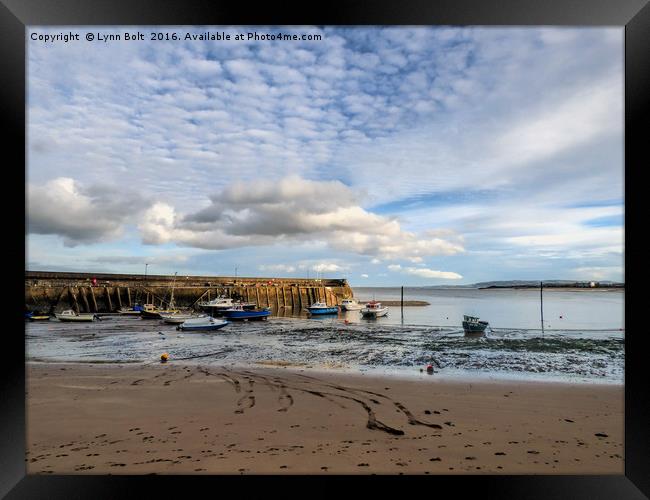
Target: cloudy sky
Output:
{"points": [[388, 156]]}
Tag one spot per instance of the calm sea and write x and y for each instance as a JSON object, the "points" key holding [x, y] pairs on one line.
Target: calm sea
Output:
{"points": [[583, 339]]}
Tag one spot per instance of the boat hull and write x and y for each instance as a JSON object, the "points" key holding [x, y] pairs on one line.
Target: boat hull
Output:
{"points": [[39, 318], [247, 315], [351, 307], [75, 319], [474, 328], [177, 319], [323, 310], [129, 312], [202, 328], [374, 314]]}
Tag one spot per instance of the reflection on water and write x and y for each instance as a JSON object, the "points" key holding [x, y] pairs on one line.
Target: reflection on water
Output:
{"points": [[571, 350]]}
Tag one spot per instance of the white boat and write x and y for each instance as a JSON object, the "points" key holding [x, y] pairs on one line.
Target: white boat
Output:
{"points": [[220, 304], [70, 315], [204, 323], [177, 319], [374, 309], [129, 312], [350, 305], [216, 305], [322, 308]]}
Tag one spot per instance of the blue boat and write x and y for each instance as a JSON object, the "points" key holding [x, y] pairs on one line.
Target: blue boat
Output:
{"points": [[205, 323], [239, 312], [322, 308]]}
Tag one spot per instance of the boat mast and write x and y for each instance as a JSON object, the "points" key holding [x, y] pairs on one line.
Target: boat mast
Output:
{"points": [[171, 300], [541, 305]]}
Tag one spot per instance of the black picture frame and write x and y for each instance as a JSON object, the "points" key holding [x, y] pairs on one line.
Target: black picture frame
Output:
{"points": [[634, 15]]}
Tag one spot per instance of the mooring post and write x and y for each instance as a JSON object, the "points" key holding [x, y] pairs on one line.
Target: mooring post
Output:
{"points": [[82, 291], [541, 305], [108, 297], [128, 295], [401, 302], [92, 295]]}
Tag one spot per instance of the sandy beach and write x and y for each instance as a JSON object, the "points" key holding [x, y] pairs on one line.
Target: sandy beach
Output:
{"points": [[176, 419]]}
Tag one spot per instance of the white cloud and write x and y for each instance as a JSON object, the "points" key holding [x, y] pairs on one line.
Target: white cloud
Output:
{"points": [[423, 272], [80, 215], [278, 268], [610, 273], [291, 210]]}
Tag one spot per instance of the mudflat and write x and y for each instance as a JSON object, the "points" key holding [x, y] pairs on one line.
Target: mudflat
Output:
{"points": [[174, 418]]}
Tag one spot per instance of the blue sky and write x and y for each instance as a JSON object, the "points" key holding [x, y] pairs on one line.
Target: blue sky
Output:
{"points": [[389, 156]]}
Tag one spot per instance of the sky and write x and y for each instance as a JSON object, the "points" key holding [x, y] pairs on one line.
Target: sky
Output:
{"points": [[388, 156]]}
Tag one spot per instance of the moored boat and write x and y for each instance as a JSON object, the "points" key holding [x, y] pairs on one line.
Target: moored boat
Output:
{"points": [[219, 305], [70, 315], [350, 305], [39, 317], [150, 311], [322, 308], [131, 311], [203, 323], [177, 319], [238, 312], [473, 326], [374, 309]]}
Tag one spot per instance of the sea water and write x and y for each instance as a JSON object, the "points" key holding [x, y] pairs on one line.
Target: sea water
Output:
{"points": [[582, 341]]}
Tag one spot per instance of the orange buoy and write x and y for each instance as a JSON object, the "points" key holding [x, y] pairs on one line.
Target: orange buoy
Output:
{"points": [[164, 357]]}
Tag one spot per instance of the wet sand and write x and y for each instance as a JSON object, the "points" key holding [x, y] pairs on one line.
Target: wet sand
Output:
{"points": [[177, 419]]}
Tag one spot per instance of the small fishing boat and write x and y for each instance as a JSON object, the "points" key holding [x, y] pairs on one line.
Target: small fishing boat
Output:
{"points": [[350, 305], [322, 308], [70, 315], [218, 305], [473, 326], [374, 309], [177, 319], [150, 311], [204, 323], [37, 316], [238, 312], [134, 311]]}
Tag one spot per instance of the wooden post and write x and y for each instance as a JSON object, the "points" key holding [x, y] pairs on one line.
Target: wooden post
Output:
{"points": [[108, 297], [128, 295], [277, 297], [73, 300], [92, 294], [541, 305], [401, 303], [119, 299], [82, 290], [257, 295], [284, 296]]}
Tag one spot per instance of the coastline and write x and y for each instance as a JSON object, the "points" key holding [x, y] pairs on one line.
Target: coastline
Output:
{"points": [[177, 418]]}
